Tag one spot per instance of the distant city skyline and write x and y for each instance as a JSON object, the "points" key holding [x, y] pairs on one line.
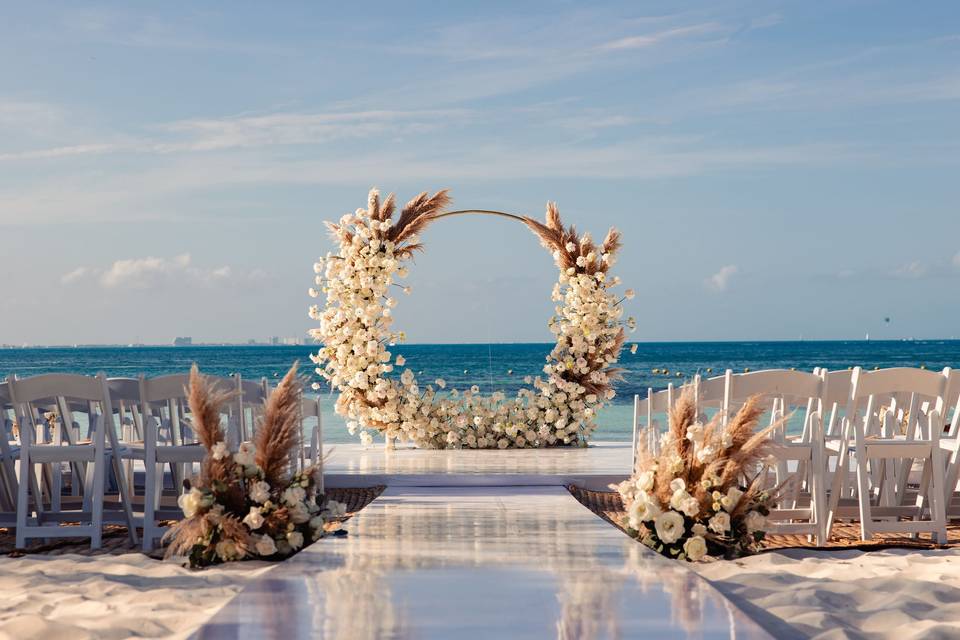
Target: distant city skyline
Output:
{"points": [[777, 169]]}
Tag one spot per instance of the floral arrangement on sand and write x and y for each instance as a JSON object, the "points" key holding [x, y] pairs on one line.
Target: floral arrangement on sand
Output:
{"points": [[701, 495], [558, 408], [251, 503]]}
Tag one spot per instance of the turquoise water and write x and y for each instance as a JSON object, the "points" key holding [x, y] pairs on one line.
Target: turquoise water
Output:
{"points": [[494, 367]]}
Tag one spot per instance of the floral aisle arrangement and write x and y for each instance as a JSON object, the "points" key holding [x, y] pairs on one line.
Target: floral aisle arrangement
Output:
{"points": [[376, 391], [252, 503], [697, 497]]}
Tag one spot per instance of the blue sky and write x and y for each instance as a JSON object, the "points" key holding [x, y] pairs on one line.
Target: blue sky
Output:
{"points": [[778, 169]]}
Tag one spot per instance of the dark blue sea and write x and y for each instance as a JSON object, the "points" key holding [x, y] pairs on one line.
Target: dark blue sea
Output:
{"points": [[495, 366]]}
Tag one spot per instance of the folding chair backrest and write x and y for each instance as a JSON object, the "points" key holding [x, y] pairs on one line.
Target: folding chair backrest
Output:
{"points": [[952, 399], [125, 397], [925, 390], [251, 398], [164, 394], [712, 393], [67, 392], [784, 392]]}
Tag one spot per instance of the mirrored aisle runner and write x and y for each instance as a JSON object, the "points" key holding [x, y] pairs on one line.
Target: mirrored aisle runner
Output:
{"points": [[479, 562]]}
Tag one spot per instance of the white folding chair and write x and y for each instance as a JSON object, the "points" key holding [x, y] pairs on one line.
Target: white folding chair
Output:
{"points": [[68, 391], [884, 455], [163, 406], [9, 453], [950, 442], [798, 471]]}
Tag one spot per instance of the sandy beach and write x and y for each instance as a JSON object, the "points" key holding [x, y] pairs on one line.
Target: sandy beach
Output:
{"points": [[112, 596], [800, 593]]}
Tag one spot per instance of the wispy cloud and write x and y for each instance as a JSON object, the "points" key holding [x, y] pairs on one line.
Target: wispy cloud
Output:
{"points": [[153, 273], [20, 114], [646, 40], [956, 260], [138, 193], [303, 128], [248, 131], [719, 281], [914, 269]]}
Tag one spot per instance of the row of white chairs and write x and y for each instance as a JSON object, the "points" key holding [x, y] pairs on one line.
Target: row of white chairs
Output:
{"points": [[848, 444], [95, 431]]}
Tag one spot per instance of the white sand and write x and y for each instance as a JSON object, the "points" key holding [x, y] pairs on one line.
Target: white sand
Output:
{"points": [[901, 594], [112, 596]]}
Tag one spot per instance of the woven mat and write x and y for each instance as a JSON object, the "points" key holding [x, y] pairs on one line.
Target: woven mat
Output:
{"points": [[115, 540], [845, 535]]}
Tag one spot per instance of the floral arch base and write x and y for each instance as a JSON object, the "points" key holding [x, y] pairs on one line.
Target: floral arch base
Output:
{"points": [[558, 408]]}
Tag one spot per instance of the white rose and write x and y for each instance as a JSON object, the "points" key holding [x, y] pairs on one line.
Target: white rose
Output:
{"points": [[698, 529], [690, 506], [299, 513], [254, 519], [366, 439], [260, 492], [295, 539], [669, 527], [695, 548], [265, 546], [293, 495], [245, 454], [190, 502], [219, 451], [720, 523], [729, 501], [645, 481]]}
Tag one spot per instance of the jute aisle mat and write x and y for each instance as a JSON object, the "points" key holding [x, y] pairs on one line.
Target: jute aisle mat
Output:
{"points": [[845, 535], [115, 536]]}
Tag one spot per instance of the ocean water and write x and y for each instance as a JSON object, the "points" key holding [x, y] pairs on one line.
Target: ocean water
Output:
{"points": [[494, 367]]}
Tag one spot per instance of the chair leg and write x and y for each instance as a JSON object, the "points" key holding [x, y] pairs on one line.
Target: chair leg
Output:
{"points": [[125, 498], [863, 496], [23, 501], [938, 509], [150, 503], [96, 510]]}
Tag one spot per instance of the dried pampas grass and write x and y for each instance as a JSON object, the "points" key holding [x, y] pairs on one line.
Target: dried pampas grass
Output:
{"points": [[279, 434]]}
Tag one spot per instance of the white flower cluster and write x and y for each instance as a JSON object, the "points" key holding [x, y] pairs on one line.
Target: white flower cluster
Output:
{"points": [[355, 328], [280, 520], [702, 515]]}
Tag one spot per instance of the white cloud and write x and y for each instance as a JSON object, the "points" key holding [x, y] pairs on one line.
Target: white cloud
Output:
{"points": [[721, 279], [77, 275], [764, 22], [652, 39], [143, 193], [915, 269], [245, 131], [19, 114], [302, 128], [153, 273]]}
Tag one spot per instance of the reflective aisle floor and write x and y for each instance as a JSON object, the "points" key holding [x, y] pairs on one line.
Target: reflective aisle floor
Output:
{"points": [[592, 467], [479, 562]]}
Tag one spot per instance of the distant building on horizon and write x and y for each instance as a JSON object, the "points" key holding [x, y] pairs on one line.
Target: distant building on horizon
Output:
{"points": [[182, 341]]}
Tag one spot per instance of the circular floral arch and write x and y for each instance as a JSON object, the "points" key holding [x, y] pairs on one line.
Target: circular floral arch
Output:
{"points": [[556, 409]]}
